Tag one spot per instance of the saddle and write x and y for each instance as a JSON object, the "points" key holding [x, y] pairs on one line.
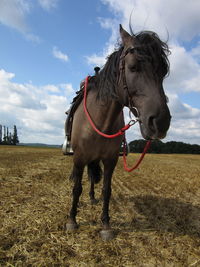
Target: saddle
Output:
{"points": [[67, 150], [70, 113]]}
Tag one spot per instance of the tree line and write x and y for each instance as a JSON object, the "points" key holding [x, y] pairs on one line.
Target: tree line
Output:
{"points": [[8, 138], [159, 147]]}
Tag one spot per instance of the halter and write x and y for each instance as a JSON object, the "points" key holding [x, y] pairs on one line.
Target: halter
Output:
{"points": [[122, 77]]}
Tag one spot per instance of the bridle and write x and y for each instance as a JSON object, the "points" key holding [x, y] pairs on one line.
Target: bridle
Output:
{"points": [[122, 78]]}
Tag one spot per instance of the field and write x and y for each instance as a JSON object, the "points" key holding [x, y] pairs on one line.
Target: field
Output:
{"points": [[154, 210]]}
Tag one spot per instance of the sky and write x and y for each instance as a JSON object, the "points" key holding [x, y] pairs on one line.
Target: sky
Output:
{"points": [[48, 46]]}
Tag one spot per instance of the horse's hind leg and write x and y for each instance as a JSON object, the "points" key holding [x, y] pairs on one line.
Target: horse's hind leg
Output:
{"points": [[109, 166], [92, 193], [76, 175], [94, 175]]}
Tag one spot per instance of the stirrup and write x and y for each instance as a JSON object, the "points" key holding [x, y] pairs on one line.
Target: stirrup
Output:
{"points": [[66, 148]]}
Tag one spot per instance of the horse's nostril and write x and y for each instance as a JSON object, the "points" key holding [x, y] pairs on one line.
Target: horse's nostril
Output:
{"points": [[151, 124]]}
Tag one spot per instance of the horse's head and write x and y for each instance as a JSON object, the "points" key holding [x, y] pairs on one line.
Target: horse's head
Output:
{"points": [[143, 66]]}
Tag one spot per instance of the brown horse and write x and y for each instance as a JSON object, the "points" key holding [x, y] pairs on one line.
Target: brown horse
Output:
{"points": [[133, 77]]}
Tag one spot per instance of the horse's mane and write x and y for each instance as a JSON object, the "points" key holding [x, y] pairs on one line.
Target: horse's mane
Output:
{"points": [[150, 47], [107, 78], [156, 50]]}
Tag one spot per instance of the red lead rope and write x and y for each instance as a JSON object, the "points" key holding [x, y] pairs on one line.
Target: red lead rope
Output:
{"points": [[140, 159], [120, 132]]}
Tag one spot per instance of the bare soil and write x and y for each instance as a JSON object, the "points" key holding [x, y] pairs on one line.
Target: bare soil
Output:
{"points": [[155, 211]]}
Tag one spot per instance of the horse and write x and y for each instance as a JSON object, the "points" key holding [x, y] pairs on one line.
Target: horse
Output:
{"points": [[132, 77]]}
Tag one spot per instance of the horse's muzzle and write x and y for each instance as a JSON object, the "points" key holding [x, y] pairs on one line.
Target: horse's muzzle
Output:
{"points": [[155, 127]]}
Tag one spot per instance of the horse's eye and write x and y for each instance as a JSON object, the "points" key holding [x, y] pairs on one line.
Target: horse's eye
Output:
{"points": [[131, 50], [133, 68]]}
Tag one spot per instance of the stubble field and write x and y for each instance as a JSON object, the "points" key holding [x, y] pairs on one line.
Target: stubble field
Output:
{"points": [[154, 210]]}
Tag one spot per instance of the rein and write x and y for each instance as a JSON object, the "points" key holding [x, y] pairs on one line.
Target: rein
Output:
{"points": [[119, 133]]}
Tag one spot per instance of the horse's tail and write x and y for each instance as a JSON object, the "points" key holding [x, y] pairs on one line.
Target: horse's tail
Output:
{"points": [[94, 171]]}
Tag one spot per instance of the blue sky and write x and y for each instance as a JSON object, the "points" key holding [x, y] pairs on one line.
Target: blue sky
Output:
{"points": [[71, 27], [48, 46]]}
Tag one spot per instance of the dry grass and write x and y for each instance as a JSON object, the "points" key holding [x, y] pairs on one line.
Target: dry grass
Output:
{"points": [[155, 210]]}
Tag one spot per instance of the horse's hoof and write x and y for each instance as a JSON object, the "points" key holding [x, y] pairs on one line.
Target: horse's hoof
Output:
{"points": [[107, 234], [94, 201], [71, 226]]}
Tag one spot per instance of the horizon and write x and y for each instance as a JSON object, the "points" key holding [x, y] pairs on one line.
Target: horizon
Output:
{"points": [[2, 133]]}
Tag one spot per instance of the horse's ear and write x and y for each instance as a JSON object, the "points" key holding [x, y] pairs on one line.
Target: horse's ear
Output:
{"points": [[126, 37]]}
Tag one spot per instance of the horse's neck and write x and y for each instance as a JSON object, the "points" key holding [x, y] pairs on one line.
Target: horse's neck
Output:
{"points": [[105, 113]]}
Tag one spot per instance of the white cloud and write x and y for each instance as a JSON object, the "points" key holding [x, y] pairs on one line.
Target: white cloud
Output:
{"points": [[33, 37], [51, 88], [59, 55], [185, 124], [184, 71], [48, 4], [181, 110], [96, 60], [180, 18], [67, 88], [38, 111], [100, 59], [13, 14], [196, 50], [5, 76]]}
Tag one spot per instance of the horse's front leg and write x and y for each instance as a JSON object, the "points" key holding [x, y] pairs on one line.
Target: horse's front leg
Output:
{"points": [[76, 176], [109, 165]]}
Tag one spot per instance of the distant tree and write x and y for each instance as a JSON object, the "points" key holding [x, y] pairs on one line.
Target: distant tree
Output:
{"points": [[4, 134], [158, 146], [15, 139], [0, 133], [10, 139], [7, 136], [137, 146], [195, 149]]}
